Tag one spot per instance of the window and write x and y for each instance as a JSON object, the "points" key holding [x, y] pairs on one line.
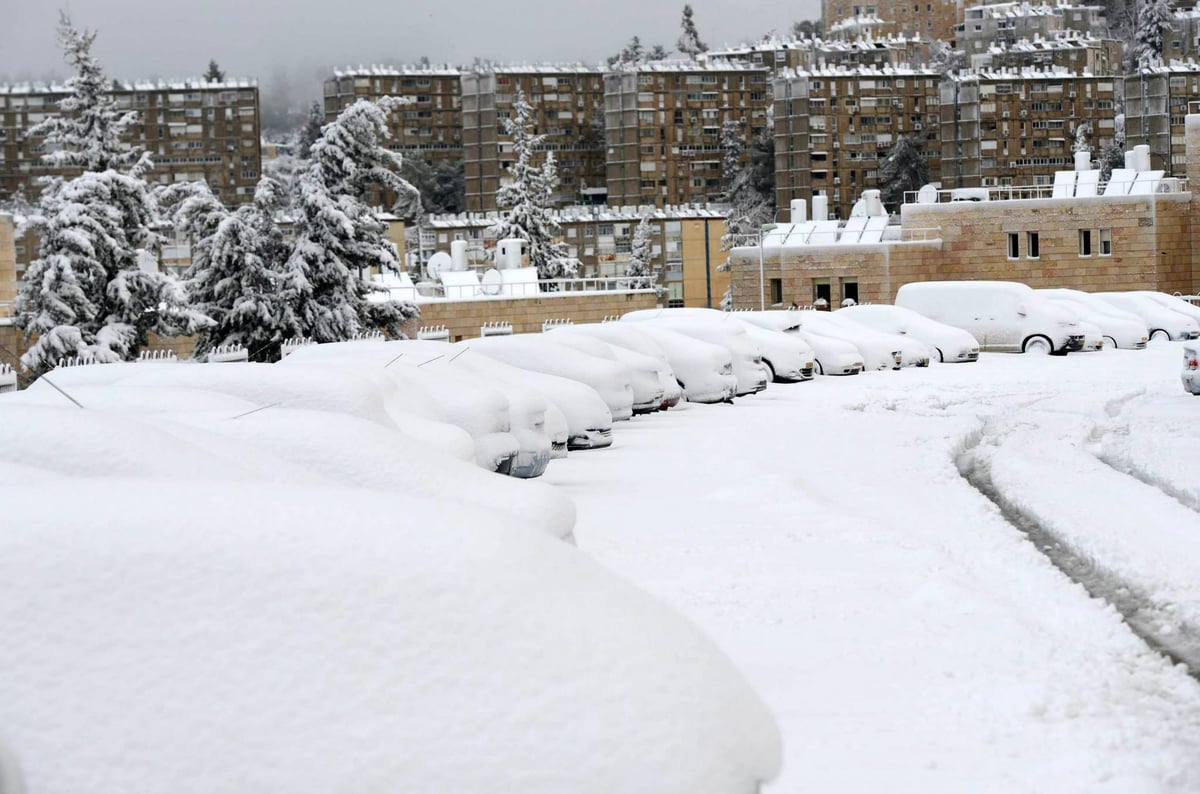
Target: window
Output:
{"points": [[1085, 242], [849, 291], [1014, 245], [1031, 245], [776, 291], [1106, 242], [821, 292]]}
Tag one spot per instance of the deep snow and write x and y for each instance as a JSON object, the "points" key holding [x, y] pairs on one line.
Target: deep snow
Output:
{"points": [[907, 637]]}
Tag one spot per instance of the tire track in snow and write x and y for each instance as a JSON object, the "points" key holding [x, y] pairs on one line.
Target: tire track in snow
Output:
{"points": [[1146, 617]]}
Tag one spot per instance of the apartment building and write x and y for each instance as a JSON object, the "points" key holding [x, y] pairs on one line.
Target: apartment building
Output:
{"points": [[835, 126], [1156, 102], [686, 247], [1014, 127], [1076, 52], [934, 20], [663, 127], [1005, 24], [781, 55], [193, 131], [568, 106], [1184, 41]]}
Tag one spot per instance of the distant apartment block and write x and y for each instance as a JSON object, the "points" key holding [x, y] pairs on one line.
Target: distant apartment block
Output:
{"points": [[192, 130], [663, 128], [834, 127], [1184, 41], [1156, 102], [1005, 127], [1005, 24], [929, 20], [568, 104], [780, 55], [1077, 52]]}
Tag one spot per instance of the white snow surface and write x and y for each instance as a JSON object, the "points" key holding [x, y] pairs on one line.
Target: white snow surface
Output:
{"points": [[907, 636]]}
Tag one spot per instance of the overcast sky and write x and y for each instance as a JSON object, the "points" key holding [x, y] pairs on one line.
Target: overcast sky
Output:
{"points": [[270, 39]]}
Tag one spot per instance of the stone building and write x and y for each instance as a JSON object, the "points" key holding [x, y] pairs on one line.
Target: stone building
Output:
{"points": [[781, 55], [835, 126], [1156, 105], [568, 106], [1075, 52], [1014, 127], [1120, 236], [663, 127], [1005, 24], [929, 20], [193, 130]]}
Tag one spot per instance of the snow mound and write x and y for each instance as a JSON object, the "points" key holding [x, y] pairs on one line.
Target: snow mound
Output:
{"points": [[309, 639]]}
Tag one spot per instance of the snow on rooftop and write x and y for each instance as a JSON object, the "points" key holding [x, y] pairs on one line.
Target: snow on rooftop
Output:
{"points": [[190, 84], [403, 70], [683, 65], [1061, 40], [574, 214], [774, 44], [859, 70]]}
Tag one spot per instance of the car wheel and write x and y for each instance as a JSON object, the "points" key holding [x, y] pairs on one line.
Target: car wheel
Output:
{"points": [[941, 358], [820, 369], [770, 371], [1159, 335], [1110, 342], [1038, 345]]}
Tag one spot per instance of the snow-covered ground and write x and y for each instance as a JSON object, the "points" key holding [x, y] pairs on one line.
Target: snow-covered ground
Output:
{"points": [[909, 638]]}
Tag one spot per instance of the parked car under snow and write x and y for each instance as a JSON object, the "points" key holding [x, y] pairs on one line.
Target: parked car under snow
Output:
{"points": [[1120, 329], [833, 356], [716, 328], [1163, 323], [947, 343]]}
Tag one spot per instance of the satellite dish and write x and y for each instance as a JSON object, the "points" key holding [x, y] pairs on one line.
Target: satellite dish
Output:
{"points": [[491, 282], [438, 263], [860, 209], [927, 195]]}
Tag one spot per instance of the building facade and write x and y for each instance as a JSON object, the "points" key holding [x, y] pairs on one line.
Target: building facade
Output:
{"points": [[935, 20], [192, 130], [568, 107], [1014, 127], [1075, 52], [834, 127], [1156, 107], [783, 55], [664, 123], [1005, 24]]}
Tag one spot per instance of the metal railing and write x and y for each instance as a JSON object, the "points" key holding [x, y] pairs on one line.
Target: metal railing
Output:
{"points": [[549, 286], [1167, 184]]}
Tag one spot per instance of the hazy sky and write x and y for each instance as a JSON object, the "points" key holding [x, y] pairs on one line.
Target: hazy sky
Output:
{"points": [[269, 39]]}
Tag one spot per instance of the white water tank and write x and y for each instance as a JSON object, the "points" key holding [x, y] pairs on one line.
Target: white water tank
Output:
{"points": [[873, 202], [458, 255], [508, 254], [820, 208], [799, 211], [1083, 161], [1131, 160], [1141, 157]]}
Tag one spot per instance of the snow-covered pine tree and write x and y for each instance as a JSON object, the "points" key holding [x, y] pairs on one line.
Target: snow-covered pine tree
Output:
{"points": [[903, 170], [657, 53], [752, 194], [214, 73], [238, 275], [689, 42], [310, 133], [94, 288], [88, 133], [1081, 144], [338, 237], [526, 200], [731, 154], [640, 255], [1112, 154], [1154, 21]]}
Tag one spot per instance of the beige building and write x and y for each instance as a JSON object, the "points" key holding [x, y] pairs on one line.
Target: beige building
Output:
{"points": [[663, 128], [782, 55], [1075, 52], [835, 126], [568, 106], [930, 20], [1144, 239], [1156, 106], [1017, 127], [193, 131], [1005, 24], [686, 245]]}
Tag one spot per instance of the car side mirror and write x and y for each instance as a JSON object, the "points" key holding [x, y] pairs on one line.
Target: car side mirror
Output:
{"points": [[1021, 311]]}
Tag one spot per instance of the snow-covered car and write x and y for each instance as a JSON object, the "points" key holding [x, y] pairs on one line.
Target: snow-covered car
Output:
{"points": [[624, 340], [643, 372], [1173, 302], [703, 370], [716, 328], [1161, 322], [1004, 316], [1191, 369], [1120, 329], [786, 358], [476, 407], [879, 351], [946, 343], [833, 356], [539, 353]]}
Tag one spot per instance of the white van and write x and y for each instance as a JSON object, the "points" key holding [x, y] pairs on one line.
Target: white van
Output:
{"points": [[1005, 316]]}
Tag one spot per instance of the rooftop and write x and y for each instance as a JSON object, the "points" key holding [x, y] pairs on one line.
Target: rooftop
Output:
{"points": [[191, 84]]}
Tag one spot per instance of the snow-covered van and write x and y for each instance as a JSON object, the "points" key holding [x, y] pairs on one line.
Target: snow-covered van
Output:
{"points": [[1005, 316]]}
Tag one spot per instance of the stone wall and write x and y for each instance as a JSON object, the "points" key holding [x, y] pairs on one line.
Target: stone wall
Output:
{"points": [[8, 266], [464, 318]]}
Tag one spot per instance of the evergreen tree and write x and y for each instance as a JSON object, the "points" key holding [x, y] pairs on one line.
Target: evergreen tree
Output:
{"points": [[1081, 144], [631, 53], [338, 238], [731, 154], [1154, 22], [903, 170], [657, 53], [94, 288], [1112, 154], [641, 255], [526, 200], [214, 73], [87, 135], [689, 40], [310, 133], [807, 29], [752, 194]]}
